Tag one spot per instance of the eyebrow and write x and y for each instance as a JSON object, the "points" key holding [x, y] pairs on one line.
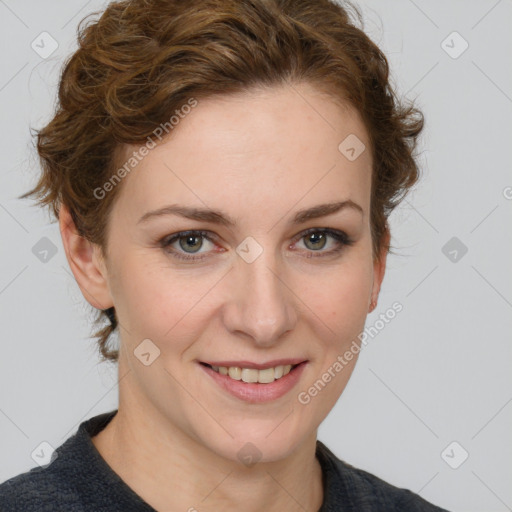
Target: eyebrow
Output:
{"points": [[218, 217]]}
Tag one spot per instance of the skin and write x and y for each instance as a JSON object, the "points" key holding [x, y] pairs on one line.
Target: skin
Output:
{"points": [[259, 157]]}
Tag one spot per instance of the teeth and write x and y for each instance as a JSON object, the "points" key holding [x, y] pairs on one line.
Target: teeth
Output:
{"points": [[251, 375], [265, 376], [235, 373]]}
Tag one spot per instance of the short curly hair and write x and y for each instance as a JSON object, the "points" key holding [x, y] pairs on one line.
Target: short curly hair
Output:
{"points": [[141, 60]]}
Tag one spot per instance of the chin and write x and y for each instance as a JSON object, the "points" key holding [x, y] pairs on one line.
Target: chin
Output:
{"points": [[271, 442]]}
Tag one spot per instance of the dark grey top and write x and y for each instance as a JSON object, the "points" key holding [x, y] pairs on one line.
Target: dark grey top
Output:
{"points": [[78, 479]]}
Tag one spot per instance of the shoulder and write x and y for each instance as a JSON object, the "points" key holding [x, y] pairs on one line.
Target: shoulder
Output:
{"points": [[386, 494], [37, 490], [58, 485], [361, 490], [77, 479]]}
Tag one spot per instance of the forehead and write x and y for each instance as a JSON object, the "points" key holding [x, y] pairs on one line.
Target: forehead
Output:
{"points": [[267, 145]]}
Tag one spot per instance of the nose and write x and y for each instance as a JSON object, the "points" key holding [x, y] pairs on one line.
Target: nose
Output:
{"points": [[261, 305]]}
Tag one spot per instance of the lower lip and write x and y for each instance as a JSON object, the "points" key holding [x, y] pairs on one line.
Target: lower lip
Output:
{"points": [[256, 392]]}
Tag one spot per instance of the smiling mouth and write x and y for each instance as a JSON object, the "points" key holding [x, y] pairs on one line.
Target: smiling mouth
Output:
{"points": [[251, 375]]}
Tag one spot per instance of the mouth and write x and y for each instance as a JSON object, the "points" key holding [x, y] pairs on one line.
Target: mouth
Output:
{"points": [[254, 375], [255, 383]]}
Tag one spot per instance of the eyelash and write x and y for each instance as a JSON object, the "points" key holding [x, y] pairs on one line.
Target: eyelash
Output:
{"points": [[341, 237]]}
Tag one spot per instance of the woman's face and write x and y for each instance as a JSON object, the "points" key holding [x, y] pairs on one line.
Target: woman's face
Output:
{"points": [[263, 284]]}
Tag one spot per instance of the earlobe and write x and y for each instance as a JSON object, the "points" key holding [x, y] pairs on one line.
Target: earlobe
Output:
{"points": [[87, 267]]}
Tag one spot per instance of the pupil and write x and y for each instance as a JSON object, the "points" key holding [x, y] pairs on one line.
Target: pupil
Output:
{"points": [[189, 241], [315, 238]]}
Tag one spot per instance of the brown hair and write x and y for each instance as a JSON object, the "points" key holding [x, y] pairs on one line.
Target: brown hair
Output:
{"points": [[143, 59]]}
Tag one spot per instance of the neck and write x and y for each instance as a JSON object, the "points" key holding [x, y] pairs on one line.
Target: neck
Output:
{"points": [[172, 471]]}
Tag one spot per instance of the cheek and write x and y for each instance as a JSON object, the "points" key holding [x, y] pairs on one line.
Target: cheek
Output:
{"points": [[143, 297], [157, 302], [344, 304], [342, 298]]}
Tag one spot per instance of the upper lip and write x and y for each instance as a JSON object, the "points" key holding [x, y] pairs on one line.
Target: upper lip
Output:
{"points": [[256, 366]]}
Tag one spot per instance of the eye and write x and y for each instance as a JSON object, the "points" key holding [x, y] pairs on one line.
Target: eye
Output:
{"points": [[317, 239], [186, 244]]}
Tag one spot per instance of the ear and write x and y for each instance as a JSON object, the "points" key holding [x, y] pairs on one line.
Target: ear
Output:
{"points": [[379, 269], [86, 263]]}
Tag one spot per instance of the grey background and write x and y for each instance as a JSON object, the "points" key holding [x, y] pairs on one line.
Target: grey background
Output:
{"points": [[439, 372]]}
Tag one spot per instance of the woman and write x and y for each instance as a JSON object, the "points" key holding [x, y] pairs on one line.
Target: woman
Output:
{"points": [[222, 173]]}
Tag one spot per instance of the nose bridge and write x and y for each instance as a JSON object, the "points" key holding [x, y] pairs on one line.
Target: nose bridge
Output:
{"points": [[264, 308]]}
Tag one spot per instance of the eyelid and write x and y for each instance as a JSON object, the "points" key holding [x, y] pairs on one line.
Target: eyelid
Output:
{"points": [[189, 232], [166, 241], [329, 231], [341, 238]]}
